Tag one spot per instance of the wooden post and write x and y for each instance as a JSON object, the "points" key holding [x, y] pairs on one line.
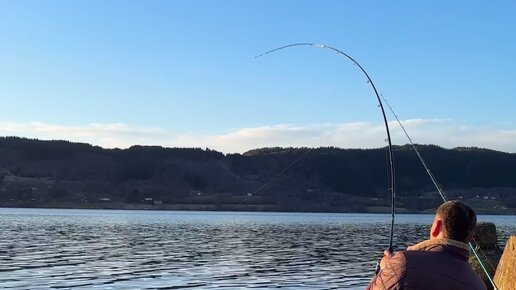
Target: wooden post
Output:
{"points": [[505, 277]]}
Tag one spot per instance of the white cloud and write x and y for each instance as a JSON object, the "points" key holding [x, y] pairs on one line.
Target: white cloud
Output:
{"points": [[443, 132]]}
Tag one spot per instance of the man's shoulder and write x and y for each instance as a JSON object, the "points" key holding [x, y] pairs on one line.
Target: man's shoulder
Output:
{"points": [[439, 268]]}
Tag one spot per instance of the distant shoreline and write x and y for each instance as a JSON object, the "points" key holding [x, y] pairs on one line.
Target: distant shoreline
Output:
{"points": [[60, 174], [221, 208]]}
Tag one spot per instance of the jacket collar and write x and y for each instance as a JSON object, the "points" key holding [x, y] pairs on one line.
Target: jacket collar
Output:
{"points": [[425, 245]]}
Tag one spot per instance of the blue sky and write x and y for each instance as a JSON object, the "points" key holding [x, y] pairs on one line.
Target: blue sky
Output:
{"points": [[182, 73]]}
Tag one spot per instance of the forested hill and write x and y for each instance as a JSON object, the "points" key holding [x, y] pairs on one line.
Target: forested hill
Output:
{"points": [[64, 174]]}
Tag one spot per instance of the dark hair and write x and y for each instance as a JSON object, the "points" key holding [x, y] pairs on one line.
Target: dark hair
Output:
{"points": [[458, 220]]}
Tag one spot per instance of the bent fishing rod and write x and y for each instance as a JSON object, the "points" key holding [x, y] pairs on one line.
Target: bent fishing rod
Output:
{"points": [[391, 172], [391, 157], [440, 191]]}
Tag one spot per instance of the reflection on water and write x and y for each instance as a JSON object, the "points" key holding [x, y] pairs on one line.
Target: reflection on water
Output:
{"points": [[43, 249]]}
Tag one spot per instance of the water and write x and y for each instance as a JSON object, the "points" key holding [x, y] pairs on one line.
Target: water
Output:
{"points": [[104, 249]]}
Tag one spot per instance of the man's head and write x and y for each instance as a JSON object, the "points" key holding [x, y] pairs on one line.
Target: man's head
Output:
{"points": [[454, 220]]}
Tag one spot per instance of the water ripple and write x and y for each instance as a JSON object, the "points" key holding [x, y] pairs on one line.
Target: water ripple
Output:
{"points": [[128, 250]]}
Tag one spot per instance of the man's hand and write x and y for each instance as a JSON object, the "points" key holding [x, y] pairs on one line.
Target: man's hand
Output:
{"points": [[386, 256]]}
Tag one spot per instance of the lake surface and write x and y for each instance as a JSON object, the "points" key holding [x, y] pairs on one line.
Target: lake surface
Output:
{"points": [[111, 249]]}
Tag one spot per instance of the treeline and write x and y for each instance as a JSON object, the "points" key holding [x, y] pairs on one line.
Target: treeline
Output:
{"points": [[34, 171]]}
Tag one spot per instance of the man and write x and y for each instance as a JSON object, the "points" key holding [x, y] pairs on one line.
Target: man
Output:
{"points": [[440, 263]]}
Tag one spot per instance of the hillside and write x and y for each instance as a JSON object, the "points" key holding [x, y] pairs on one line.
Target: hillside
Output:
{"points": [[38, 173]]}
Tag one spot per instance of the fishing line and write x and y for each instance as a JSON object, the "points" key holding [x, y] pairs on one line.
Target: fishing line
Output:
{"points": [[434, 181], [392, 183], [273, 178], [441, 192]]}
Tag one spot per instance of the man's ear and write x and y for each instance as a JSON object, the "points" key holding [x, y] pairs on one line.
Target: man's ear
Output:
{"points": [[437, 227]]}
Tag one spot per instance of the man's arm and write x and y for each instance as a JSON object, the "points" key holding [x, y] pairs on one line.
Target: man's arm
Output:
{"points": [[392, 273]]}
